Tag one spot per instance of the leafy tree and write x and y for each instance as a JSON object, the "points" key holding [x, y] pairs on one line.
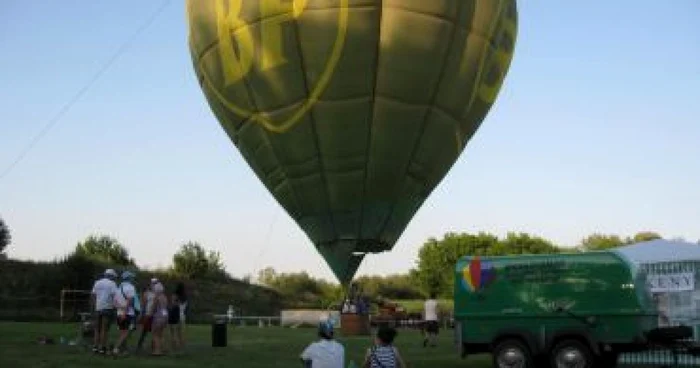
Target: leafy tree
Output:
{"points": [[267, 276], [104, 249], [437, 259], [299, 289], [598, 241], [192, 261], [5, 237], [601, 242], [643, 236], [521, 243], [400, 286]]}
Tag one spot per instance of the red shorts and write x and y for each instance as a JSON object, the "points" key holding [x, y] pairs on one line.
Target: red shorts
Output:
{"points": [[147, 322]]}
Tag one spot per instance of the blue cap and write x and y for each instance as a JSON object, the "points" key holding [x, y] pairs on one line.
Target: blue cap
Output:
{"points": [[326, 328]]}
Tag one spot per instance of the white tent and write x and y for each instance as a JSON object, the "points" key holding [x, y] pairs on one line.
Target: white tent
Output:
{"points": [[672, 269], [660, 251]]}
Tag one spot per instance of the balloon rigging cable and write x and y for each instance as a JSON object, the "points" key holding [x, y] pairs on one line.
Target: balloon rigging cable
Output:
{"points": [[266, 242], [123, 48]]}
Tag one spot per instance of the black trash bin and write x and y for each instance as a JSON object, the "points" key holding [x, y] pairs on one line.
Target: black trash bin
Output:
{"points": [[219, 338]]}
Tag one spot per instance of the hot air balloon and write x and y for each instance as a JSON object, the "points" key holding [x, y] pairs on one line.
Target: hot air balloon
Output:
{"points": [[351, 112]]}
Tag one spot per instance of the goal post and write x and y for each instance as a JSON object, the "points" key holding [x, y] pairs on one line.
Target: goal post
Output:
{"points": [[73, 303]]}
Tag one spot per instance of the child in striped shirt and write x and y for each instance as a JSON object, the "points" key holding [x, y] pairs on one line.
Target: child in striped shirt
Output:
{"points": [[384, 354]]}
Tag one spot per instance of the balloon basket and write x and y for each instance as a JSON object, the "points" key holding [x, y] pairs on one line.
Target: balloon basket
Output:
{"points": [[355, 325]]}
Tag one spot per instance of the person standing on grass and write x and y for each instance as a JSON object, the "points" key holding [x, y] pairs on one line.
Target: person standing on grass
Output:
{"points": [[126, 312], [325, 353], [384, 354], [430, 317], [160, 318], [102, 301], [147, 315], [176, 316]]}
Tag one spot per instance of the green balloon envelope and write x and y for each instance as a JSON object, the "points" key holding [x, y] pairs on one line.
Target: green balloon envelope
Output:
{"points": [[351, 112]]}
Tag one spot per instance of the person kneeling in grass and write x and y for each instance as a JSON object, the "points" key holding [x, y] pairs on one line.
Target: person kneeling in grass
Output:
{"points": [[325, 353]]}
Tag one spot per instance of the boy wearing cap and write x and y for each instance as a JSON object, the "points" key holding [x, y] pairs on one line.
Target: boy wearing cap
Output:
{"points": [[102, 300], [325, 353]]}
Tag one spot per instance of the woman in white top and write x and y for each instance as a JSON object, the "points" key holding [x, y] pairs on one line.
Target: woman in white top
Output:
{"points": [[147, 317]]}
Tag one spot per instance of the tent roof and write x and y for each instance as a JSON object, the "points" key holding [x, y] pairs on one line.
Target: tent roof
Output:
{"points": [[661, 250]]}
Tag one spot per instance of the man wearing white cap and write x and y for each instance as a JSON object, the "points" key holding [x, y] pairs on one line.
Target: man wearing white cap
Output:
{"points": [[102, 301]]}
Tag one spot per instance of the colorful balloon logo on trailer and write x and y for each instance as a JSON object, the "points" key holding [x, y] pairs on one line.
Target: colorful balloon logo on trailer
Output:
{"points": [[478, 275], [351, 112]]}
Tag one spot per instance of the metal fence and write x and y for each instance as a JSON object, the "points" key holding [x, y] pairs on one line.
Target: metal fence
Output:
{"points": [[675, 308]]}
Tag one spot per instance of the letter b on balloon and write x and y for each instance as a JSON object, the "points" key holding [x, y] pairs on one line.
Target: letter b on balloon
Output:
{"points": [[229, 20], [248, 37]]}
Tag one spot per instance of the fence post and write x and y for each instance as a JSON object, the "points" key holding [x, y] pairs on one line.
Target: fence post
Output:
{"points": [[61, 311]]}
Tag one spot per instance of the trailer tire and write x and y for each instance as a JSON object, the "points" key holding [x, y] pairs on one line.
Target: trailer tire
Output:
{"points": [[568, 351], [511, 351]]}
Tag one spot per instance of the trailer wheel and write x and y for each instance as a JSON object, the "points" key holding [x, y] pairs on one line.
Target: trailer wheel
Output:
{"points": [[512, 353], [571, 354]]}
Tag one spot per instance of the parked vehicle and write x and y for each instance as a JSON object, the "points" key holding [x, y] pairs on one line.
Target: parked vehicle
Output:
{"points": [[562, 310]]}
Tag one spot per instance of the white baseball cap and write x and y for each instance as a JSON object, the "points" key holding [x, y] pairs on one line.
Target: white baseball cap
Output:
{"points": [[110, 272], [158, 287]]}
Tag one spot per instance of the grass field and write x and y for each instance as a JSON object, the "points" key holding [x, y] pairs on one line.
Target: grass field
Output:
{"points": [[247, 347], [416, 306]]}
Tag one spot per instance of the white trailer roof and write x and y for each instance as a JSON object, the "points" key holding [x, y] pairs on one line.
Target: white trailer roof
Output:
{"points": [[661, 250]]}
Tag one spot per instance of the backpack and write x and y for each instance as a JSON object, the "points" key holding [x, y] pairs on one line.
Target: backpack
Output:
{"points": [[135, 302]]}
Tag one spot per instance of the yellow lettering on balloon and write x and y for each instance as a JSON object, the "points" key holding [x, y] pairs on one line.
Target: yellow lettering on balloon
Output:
{"points": [[500, 61], [492, 59], [271, 30], [236, 66], [237, 62]]}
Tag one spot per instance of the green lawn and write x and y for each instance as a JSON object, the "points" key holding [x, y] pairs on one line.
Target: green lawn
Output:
{"points": [[247, 347], [416, 306]]}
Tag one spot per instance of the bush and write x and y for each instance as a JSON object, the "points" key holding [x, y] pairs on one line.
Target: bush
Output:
{"points": [[31, 291]]}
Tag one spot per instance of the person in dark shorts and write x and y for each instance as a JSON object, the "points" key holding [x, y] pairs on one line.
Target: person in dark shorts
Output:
{"points": [[430, 317], [176, 316], [102, 300]]}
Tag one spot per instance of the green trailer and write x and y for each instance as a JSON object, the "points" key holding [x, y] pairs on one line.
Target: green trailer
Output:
{"points": [[562, 310]]}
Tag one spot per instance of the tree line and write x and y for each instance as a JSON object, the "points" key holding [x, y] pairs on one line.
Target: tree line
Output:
{"points": [[433, 270], [191, 261]]}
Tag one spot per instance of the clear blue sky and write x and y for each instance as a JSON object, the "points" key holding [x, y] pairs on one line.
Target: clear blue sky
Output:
{"points": [[597, 129]]}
